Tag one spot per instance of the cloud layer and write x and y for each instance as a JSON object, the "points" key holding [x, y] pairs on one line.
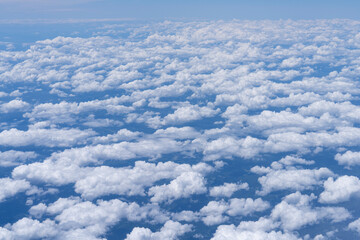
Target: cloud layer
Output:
{"points": [[183, 130]]}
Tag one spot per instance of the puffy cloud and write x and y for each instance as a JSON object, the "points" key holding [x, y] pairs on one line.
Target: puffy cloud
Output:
{"points": [[86, 219], [13, 158], [3, 94], [295, 212], [105, 180], [189, 113], [292, 160], [49, 137], [14, 105], [227, 189], [66, 167], [355, 225], [228, 147], [296, 179], [213, 213], [10, 187], [177, 133], [349, 158], [252, 230], [171, 230], [27, 228], [292, 141], [340, 190], [183, 186], [67, 112], [121, 135]]}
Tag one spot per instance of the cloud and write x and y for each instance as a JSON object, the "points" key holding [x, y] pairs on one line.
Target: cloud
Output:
{"points": [[251, 230], [10, 187], [14, 158], [227, 189], [14, 105], [340, 190], [171, 230], [189, 113], [295, 179], [183, 186], [295, 212], [214, 212], [67, 164], [349, 158], [27, 228], [85, 220], [105, 180], [355, 226], [49, 137]]}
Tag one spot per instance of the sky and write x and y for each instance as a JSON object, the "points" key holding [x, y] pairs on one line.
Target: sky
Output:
{"points": [[179, 120], [196, 9]]}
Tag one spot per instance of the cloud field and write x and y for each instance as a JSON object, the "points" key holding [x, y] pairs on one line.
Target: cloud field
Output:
{"points": [[183, 130]]}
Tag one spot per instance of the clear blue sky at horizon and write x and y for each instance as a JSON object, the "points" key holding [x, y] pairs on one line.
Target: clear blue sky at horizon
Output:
{"points": [[196, 9]]}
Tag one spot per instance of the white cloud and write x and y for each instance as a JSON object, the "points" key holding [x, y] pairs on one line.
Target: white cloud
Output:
{"points": [[177, 133], [121, 135], [189, 113], [183, 186], [340, 190], [295, 212], [67, 112], [84, 220], [14, 158], [349, 158], [214, 212], [227, 189], [105, 180], [225, 232], [355, 225], [3, 94], [64, 167], [27, 228], [295, 179], [292, 160], [171, 231], [14, 105], [49, 137], [10, 187]]}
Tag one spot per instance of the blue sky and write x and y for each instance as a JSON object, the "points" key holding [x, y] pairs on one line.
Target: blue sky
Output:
{"points": [[196, 9]]}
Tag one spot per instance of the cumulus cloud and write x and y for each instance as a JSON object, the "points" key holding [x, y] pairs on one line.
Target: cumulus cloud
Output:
{"points": [[10, 187], [214, 212], [295, 179], [14, 105], [349, 158], [252, 230], [171, 230], [355, 226], [68, 164], [340, 190], [49, 137], [189, 113], [295, 212], [183, 186], [227, 189], [86, 220], [14, 158], [105, 180]]}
